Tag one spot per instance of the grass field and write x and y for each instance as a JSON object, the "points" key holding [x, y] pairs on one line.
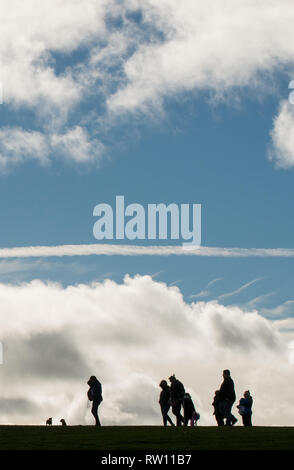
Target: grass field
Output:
{"points": [[145, 438]]}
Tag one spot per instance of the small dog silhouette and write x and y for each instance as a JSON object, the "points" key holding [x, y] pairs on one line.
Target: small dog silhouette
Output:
{"points": [[49, 422], [63, 423]]}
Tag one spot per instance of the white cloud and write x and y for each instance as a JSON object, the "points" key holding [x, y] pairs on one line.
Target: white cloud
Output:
{"points": [[131, 335], [131, 65], [76, 145], [282, 134], [30, 31], [207, 45], [18, 145]]}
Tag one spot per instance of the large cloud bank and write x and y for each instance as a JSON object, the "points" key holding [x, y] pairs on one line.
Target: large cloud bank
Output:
{"points": [[131, 335]]}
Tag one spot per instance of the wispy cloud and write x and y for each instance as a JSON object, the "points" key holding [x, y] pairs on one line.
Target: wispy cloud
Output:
{"points": [[240, 289], [205, 292], [136, 250]]}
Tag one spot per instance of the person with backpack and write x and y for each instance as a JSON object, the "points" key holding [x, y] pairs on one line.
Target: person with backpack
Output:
{"points": [[177, 392], [164, 401], [95, 396], [245, 408]]}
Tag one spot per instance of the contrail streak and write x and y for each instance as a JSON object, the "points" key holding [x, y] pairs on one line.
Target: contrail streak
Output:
{"points": [[137, 250]]}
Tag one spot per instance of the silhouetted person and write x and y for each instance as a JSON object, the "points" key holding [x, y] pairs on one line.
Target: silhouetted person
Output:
{"points": [[217, 413], [164, 401], [227, 397], [189, 408], [177, 392], [49, 422], [63, 422], [95, 395], [245, 408]]}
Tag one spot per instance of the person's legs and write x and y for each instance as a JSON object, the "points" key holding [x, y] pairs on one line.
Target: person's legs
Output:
{"points": [[177, 412], [247, 419], [230, 418], [233, 418], [186, 419], [165, 416], [95, 412], [225, 409], [219, 419]]}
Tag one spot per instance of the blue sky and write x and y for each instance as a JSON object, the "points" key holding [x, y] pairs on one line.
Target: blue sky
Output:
{"points": [[177, 102], [216, 155]]}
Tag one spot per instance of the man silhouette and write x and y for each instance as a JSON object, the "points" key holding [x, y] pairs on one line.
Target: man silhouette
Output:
{"points": [[227, 397]]}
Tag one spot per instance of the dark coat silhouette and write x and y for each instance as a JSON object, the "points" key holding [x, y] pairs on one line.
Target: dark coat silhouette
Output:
{"points": [[217, 413], [227, 390], [164, 401], [177, 392], [95, 395], [227, 397]]}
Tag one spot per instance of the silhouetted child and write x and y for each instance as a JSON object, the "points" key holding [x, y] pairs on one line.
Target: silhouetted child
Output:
{"points": [[217, 413], [245, 408], [189, 408]]}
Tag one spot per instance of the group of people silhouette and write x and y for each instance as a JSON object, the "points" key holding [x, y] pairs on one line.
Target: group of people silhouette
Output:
{"points": [[175, 396]]}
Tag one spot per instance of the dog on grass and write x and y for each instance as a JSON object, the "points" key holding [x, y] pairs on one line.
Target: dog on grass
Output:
{"points": [[49, 422], [63, 423]]}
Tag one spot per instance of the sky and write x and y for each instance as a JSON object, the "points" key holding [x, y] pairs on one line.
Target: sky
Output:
{"points": [[160, 102]]}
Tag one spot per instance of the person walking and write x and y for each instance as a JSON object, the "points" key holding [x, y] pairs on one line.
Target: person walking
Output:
{"points": [[245, 408], [177, 392], [217, 413], [227, 398], [164, 401], [95, 396]]}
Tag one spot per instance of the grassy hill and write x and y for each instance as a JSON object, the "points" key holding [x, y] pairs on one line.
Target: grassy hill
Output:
{"points": [[145, 438]]}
